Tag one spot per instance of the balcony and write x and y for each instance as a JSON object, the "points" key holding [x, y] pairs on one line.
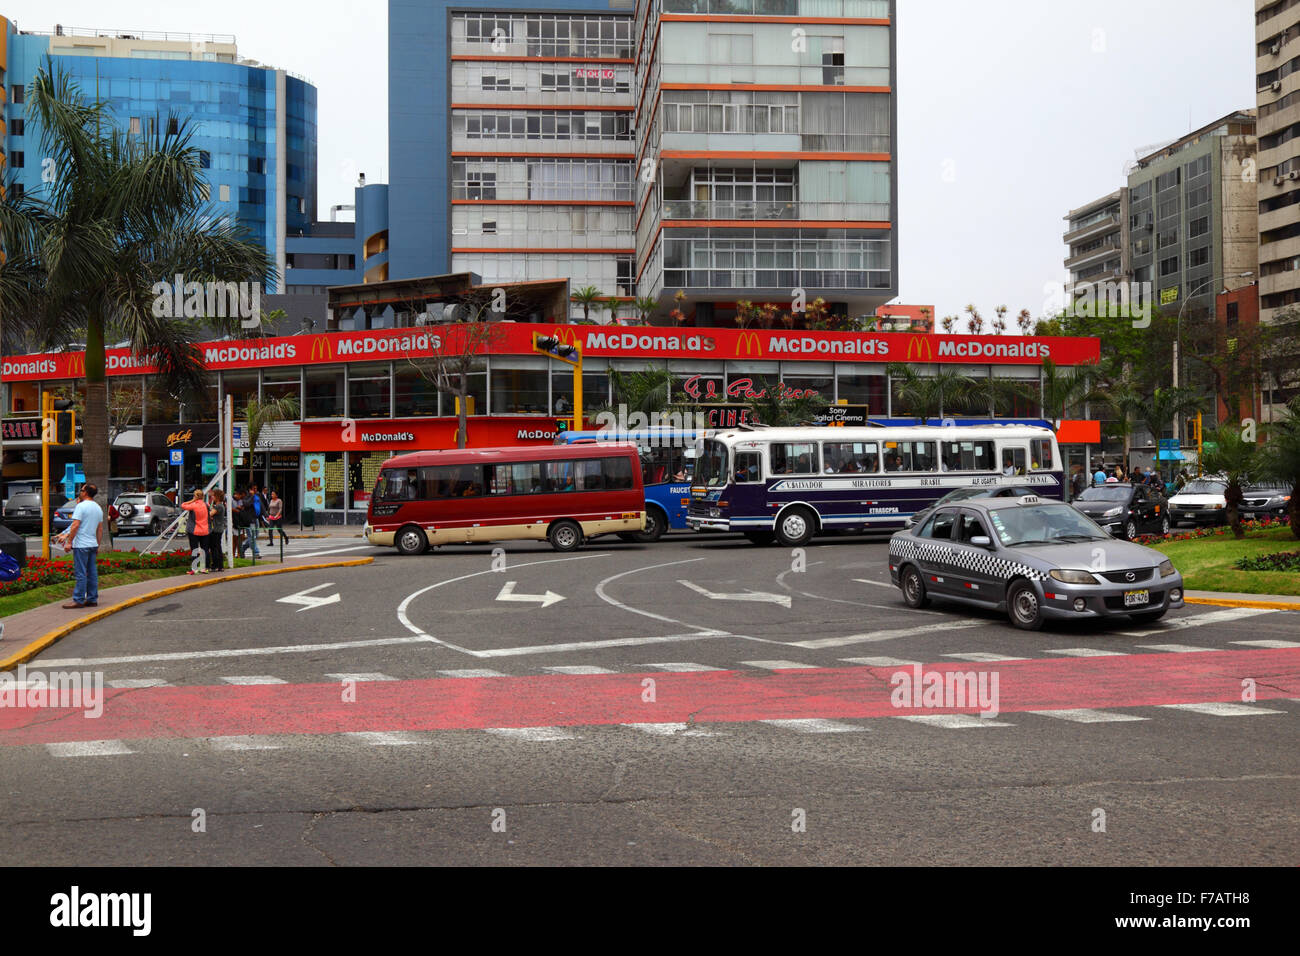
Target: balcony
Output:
{"points": [[1092, 229], [768, 280], [1098, 252], [686, 209], [870, 143]]}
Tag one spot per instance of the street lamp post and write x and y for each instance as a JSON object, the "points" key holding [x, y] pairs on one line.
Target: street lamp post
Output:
{"points": [[1178, 332]]}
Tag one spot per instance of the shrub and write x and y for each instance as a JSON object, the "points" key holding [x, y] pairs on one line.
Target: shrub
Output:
{"points": [[40, 572], [1278, 561]]}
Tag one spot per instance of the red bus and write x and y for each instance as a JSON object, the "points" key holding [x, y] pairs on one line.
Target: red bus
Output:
{"points": [[561, 493]]}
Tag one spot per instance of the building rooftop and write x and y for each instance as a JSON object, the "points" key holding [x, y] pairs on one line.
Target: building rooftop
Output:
{"points": [[1223, 126]]}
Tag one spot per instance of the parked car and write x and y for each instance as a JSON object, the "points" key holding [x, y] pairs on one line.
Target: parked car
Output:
{"points": [[1126, 510], [63, 517], [963, 494], [1033, 558], [145, 512], [1201, 501], [23, 512], [1265, 499]]}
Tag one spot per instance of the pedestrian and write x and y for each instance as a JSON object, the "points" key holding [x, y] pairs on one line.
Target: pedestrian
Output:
{"points": [[259, 510], [1078, 481], [275, 518], [217, 529], [245, 519], [197, 528], [84, 537]]}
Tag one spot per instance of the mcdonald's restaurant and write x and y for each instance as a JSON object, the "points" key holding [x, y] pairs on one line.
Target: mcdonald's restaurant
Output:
{"points": [[366, 392]]}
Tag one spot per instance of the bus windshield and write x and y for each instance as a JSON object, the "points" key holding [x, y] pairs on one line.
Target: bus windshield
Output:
{"points": [[712, 469]]}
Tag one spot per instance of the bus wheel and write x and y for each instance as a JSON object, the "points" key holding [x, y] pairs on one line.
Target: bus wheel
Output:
{"points": [[654, 527], [795, 527], [630, 536], [565, 536], [411, 540], [759, 537]]}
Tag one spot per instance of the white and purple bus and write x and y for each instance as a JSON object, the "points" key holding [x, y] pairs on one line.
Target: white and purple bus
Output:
{"points": [[789, 484]]}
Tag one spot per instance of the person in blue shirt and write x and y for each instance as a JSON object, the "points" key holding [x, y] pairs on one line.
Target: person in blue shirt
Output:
{"points": [[84, 536], [1099, 478]]}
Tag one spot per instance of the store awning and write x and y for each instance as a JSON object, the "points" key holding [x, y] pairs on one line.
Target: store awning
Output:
{"points": [[1166, 455]]}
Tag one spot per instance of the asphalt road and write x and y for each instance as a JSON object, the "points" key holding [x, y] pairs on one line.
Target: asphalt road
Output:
{"points": [[693, 701]]}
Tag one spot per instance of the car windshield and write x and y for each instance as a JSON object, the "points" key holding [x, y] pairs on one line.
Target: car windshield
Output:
{"points": [[1202, 487], [1043, 524], [1268, 488], [1102, 493], [959, 494]]}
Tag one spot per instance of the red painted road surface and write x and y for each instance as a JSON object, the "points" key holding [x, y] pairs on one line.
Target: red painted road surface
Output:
{"points": [[706, 697]]}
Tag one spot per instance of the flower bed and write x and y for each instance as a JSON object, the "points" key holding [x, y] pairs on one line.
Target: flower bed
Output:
{"points": [[1211, 531], [1278, 561], [42, 571]]}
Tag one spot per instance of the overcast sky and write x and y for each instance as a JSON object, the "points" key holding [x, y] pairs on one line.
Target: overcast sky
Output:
{"points": [[1011, 112]]}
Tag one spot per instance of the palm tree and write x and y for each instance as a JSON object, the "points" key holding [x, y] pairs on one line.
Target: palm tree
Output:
{"points": [[780, 411], [948, 322], [22, 223], [612, 304], [1164, 405], [123, 213], [975, 324], [988, 394], [1280, 459], [1025, 322], [1127, 402], [1065, 388], [644, 306], [641, 390], [587, 297], [929, 396], [259, 414], [1237, 460]]}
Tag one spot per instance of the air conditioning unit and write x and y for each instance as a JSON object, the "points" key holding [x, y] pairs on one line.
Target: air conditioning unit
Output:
{"points": [[1274, 48], [424, 318], [1278, 180], [1277, 85]]}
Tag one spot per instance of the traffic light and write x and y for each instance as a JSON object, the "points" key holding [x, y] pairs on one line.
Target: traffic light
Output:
{"points": [[552, 346], [65, 422], [1193, 430]]}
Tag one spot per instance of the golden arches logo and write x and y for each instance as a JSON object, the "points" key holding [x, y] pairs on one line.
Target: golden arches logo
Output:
{"points": [[565, 335], [919, 348], [322, 349], [77, 365], [749, 343]]}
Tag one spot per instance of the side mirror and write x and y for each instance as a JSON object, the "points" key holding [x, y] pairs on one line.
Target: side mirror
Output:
{"points": [[981, 541]]}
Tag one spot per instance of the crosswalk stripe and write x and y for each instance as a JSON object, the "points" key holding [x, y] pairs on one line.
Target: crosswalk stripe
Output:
{"points": [[1223, 709], [683, 667], [879, 661], [671, 730], [89, 748], [954, 721], [472, 672], [982, 657], [1085, 652], [821, 642], [532, 734], [1174, 648], [579, 669], [1199, 620], [779, 665], [814, 726], [134, 683], [368, 676], [246, 742], [249, 681], [1082, 715], [1279, 645], [383, 738]]}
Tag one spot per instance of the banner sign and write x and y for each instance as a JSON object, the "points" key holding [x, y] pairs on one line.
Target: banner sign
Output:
{"points": [[313, 481], [596, 341]]}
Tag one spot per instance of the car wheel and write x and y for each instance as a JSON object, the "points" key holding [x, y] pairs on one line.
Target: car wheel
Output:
{"points": [[796, 527], [1023, 607], [1148, 617], [655, 523], [565, 536], [411, 540], [760, 537], [155, 527], [913, 588], [1130, 529], [1165, 525]]}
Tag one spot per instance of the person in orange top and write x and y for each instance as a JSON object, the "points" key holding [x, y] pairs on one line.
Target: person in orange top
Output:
{"points": [[196, 525]]}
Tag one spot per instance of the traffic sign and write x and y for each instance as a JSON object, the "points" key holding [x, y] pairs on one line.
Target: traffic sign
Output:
{"points": [[178, 457]]}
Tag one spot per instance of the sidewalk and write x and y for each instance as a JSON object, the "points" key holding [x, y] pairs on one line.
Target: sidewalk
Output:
{"points": [[1289, 602], [20, 630]]}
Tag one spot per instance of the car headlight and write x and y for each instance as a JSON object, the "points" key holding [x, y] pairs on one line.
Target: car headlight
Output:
{"points": [[1217, 507], [1167, 568], [1070, 576], [1113, 513]]}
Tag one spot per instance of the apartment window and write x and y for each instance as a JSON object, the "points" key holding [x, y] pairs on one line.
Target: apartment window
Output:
{"points": [[1167, 209], [257, 164], [16, 127], [135, 125], [1197, 167], [1198, 197], [1167, 181], [1198, 227], [489, 227], [624, 281], [17, 160], [205, 159], [480, 185], [1141, 246], [1168, 266], [1198, 257], [1140, 192], [17, 190], [223, 193], [17, 94], [1231, 315], [1166, 239]]}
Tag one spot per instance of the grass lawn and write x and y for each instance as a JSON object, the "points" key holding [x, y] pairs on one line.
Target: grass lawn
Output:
{"points": [[1207, 563], [51, 593]]}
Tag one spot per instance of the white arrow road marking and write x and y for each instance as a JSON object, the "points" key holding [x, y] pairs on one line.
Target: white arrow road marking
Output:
{"points": [[307, 601], [879, 584], [546, 600], [781, 599]]}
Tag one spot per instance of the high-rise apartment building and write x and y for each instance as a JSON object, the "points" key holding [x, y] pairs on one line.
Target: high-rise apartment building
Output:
{"points": [[254, 125], [1277, 68], [1097, 240]]}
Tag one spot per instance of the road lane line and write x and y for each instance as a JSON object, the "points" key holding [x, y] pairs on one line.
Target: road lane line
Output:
{"points": [[1275, 645], [880, 661], [251, 681], [780, 665], [983, 657], [579, 669], [1175, 648], [1085, 652], [815, 726], [671, 730], [384, 738], [954, 721], [89, 748], [598, 645], [234, 652], [532, 734], [879, 584], [683, 667], [1223, 710], [471, 672], [134, 683], [881, 635], [780, 579], [1082, 715], [1198, 620], [243, 742], [359, 678]]}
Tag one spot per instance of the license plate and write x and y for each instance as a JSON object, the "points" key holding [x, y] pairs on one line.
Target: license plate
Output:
{"points": [[1134, 598]]}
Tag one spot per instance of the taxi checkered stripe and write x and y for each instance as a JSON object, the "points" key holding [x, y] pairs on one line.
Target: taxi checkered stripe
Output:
{"points": [[970, 559]]}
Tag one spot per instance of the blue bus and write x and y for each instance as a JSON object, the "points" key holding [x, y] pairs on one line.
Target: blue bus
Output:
{"points": [[667, 464], [789, 484]]}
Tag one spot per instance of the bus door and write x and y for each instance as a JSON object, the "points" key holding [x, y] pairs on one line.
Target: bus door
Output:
{"points": [[1047, 469]]}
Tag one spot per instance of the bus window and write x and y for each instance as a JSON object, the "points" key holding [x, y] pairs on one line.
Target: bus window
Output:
{"points": [[559, 476], [966, 456], [794, 458], [1013, 460], [712, 469], [747, 466], [524, 478], [663, 464], [1042, 454], [617, 473], [589, 476], [910, 456], [398, 484], [851, 457]]}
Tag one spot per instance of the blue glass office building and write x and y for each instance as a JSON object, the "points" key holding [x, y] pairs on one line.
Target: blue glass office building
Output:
{"points": [[254, 125]]}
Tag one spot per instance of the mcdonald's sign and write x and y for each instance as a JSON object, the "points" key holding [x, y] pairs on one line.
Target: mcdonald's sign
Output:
{"points": [[322, 349], [77, 364], [747, 343], [919, 349], [566, 335]]}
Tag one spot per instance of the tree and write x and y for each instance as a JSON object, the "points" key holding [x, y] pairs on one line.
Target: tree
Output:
{"points": [[975, 324], [1127, 403], [123, 213], [948, 322], [1237, 460], [644, 306], [1065, 388], [1164, 405], [612, 305], [772, 408], [640, 390], [929, 396], [125, 402], [588, 297], [999, 324], [22, 223], [1280, 458], [993, 396], [259, 414]]}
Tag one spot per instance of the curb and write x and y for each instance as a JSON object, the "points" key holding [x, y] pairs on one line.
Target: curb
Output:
{"points": [[1227, 602], [46, 640]]}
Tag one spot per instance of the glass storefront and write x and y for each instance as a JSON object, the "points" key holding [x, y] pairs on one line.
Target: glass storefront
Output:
{"points": [[519, 386], [370, 391], [414, 395], [324, 395]]}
